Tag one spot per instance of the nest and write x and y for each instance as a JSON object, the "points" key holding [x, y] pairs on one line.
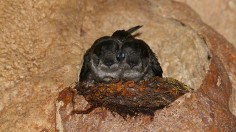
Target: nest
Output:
{"points": [[130, 98]]}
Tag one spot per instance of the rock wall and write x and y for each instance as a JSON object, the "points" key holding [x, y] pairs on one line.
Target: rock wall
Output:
{"points": [[219, 14]]}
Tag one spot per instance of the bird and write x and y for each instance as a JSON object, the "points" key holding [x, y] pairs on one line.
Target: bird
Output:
{"points": [[119, 57], [139, 62]]}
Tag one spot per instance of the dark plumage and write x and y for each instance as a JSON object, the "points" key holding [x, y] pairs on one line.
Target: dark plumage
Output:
{"points": [[140, 62], [120, 57]]}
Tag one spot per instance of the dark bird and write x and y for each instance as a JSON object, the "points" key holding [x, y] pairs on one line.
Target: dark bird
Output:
{"points": [[139, 62], [119, 57]]}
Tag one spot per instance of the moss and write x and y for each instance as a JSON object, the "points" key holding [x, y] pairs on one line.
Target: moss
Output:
{"points": [[130, 98]]}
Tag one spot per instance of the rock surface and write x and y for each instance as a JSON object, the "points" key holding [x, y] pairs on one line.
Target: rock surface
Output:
{"points": [[219, 14], [41, 49]]}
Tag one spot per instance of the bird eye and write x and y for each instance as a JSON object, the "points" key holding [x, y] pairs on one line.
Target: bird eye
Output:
{"points": [[120, 56]]}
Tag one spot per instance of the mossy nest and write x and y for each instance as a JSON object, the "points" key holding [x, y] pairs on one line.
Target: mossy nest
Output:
{"points": [[130, 98]]}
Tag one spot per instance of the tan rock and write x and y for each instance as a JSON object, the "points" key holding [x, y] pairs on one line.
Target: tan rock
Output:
{"points": [[219, 14]]}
